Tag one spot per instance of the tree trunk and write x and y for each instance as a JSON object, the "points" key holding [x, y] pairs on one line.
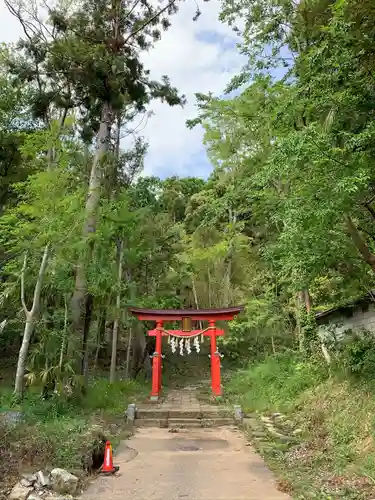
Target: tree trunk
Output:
{"points": [[228, 260], [209, 287], [360, 243], [89, 226], [370, 209], [299, 329], [89, 302], [112, 375], [227, 284], [273, 345], [100, 334], [195, 298], [22, 356], [30, 320], [307, 300], [326, 354], [3, 325], [51, 153], [303, 301], [130, 335], [194, 292], [65, 334], [136, 351], [128, 351], [143, 358]]}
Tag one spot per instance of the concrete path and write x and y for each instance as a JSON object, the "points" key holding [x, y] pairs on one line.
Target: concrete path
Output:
{"points": [[191, 464]]}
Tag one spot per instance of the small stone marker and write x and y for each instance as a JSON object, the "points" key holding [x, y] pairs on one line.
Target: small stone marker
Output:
{"points": [[11, 418], [130, 413], [42, 479], [238, 413]]}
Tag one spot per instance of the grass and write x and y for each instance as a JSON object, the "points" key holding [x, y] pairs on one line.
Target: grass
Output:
{"points": [[274, 384], [335, 457], [62, 432]]}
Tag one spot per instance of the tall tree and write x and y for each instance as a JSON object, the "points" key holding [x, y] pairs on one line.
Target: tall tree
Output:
{"points": [[91, 62]]}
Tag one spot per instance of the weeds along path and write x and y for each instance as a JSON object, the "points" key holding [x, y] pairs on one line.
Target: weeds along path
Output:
{"points": [[192, 463]]}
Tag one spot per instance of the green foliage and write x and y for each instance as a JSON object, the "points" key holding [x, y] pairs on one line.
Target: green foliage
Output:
{"points": [[61, 431], [292, 159], [15, 127], [357, 355], [334, 418], [288, 207], [309, 330], [275, 383], [92, 57], [110, 398]]}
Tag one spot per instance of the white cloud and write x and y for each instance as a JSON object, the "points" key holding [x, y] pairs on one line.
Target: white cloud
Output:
{"points": [[10, 29], [194, 64], [198, 56]]}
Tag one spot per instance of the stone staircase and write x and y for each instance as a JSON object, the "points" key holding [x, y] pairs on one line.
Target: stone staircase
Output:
{"points": [[181, 418], [270, 432], [181, 409]]}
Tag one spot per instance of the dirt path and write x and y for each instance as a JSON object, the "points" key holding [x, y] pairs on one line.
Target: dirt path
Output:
{"points": [[193, 464]]}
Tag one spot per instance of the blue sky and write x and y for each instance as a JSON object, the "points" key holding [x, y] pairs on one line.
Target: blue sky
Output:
{"points": [[198, 56], [205, 61]]}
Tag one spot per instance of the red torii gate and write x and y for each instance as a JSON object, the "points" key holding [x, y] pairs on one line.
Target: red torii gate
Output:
{"points": [[186, 316]]}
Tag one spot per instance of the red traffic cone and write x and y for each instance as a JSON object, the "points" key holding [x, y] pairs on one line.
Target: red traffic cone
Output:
{"points": [[108, 467]]}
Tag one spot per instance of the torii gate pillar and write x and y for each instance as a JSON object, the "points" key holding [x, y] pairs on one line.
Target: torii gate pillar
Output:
{"points": [[156, 363], [215, 362], [186, 316]]}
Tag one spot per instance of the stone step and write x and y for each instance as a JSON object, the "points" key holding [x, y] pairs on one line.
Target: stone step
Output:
{"points": [[217, 422], [152, 422], [153, 413], [202, 422], [202, 413], [183, 420], [184, 423], [199, 414]]}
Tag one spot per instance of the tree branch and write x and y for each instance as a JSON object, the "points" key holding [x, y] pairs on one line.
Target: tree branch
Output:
{"points": [[132, 9], [149, 21], [372, 236], [360, 243]]}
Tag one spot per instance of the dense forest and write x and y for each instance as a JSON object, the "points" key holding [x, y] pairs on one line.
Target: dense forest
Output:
{"points": [[285, 223]]}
